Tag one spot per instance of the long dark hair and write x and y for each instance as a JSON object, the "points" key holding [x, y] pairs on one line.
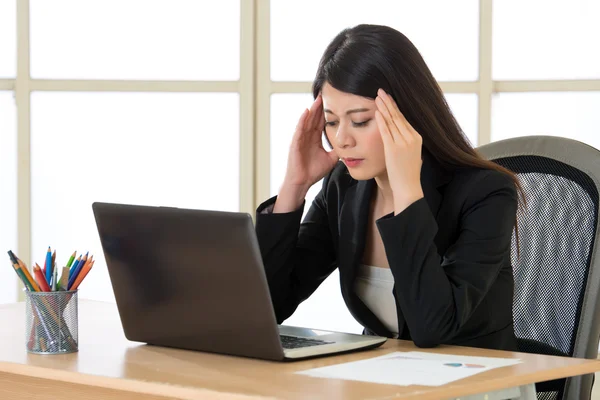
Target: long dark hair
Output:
{"points": [[362, 59]]}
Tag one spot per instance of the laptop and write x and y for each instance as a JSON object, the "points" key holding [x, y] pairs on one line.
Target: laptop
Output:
{"points": [[194, 279]]}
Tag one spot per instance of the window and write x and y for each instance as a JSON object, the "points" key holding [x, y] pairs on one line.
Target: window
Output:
{"points": [[135, 39], [546, 39], [464, 108], [8, 38], [568, 114], [180, 103], [8, 196], [136, 148], [447, 38]]}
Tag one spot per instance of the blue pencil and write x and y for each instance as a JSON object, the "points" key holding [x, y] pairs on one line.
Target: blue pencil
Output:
{"points": [[74, 266], [73, 276], [49, 265]]}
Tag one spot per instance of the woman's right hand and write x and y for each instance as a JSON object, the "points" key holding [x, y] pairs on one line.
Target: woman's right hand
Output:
{"points": [[308, 162]]}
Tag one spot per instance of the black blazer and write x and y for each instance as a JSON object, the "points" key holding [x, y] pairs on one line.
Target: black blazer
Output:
{"points": [[449, 254]]}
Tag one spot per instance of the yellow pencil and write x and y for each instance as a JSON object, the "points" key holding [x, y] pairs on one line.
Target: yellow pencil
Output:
{"points": [[30, 279]]}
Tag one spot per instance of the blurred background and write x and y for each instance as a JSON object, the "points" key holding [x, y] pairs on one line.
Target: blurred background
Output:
{"points": [[192, 103]]}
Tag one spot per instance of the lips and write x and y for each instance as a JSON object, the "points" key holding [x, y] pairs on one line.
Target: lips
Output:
{"points": [[353, 162]]}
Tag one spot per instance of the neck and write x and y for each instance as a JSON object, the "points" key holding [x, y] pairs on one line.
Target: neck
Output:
{"points": [[384, 192]]}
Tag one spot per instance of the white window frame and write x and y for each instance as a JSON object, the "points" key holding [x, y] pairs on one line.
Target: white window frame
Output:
{"points": [[254, 88], [23, 85]]}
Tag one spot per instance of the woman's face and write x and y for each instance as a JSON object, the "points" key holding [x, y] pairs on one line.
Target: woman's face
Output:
{"points": [[352, 131]]}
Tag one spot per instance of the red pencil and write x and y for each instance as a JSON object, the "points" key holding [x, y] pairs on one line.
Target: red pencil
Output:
{"points": [[40, 278]]}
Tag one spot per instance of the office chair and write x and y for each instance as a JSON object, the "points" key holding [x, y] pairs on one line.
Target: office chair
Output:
{"points": [[557, 270]]}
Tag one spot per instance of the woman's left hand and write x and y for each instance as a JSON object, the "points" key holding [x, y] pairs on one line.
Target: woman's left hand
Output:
{"points": [[402, 146]]}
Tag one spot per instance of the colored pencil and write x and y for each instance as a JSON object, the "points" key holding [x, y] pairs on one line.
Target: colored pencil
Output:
{"points": [[74, 266], [21, 270], [73, 276], [71, 259], [41, 279], [86, 269], [48, 265], [28, 276]]}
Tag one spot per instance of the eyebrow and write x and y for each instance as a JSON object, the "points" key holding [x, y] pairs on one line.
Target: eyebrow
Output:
{"points": [[354, 110]]}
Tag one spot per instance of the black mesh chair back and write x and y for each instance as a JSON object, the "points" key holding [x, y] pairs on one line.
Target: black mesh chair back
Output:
{"points": [[555, 259]]}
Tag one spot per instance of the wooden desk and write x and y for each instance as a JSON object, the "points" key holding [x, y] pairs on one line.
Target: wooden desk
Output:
{"points": [[108, 366]]}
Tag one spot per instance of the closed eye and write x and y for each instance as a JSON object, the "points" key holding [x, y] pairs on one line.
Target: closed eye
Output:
{"points": [[360, 124], [354, 124]]}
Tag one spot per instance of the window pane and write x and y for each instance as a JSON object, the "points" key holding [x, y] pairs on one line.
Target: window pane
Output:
{"points": [[571, 115], [464, 107], [135, 39], [546, 39], [325, 309], [8, 196], [8, 38], [173, 149], [445, 32]]}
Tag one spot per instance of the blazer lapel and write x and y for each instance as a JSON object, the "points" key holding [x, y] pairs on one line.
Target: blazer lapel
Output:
{"points": [[354, 214]]}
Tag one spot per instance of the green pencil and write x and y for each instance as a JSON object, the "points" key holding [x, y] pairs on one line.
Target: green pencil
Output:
{"points": [[21, 274], [71, 259]]}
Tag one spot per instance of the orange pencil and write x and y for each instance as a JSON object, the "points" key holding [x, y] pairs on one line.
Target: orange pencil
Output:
{"points": [[86, 269], [41, 280], [85, 266], [89, 260], [28, 275]]}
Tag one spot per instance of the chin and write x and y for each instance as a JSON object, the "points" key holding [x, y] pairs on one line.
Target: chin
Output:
{"points": [[359, 175]]}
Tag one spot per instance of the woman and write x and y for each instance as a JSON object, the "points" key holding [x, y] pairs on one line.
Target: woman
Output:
{"points": [[417, 222]]}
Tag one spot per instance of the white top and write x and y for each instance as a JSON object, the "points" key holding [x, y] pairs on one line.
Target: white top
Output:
{"points": [[375, 286]]}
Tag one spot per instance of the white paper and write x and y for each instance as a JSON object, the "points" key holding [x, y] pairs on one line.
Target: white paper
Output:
{"points": [[411, 368]]}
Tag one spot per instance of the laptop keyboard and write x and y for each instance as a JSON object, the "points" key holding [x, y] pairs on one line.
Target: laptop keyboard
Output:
{"points": [[295, 342]]}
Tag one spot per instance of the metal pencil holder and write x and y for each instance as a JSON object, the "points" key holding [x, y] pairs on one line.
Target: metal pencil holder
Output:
{"points": [[51, 322]]}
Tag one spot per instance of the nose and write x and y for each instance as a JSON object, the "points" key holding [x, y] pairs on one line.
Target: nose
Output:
{"points": [[343, 138]]}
